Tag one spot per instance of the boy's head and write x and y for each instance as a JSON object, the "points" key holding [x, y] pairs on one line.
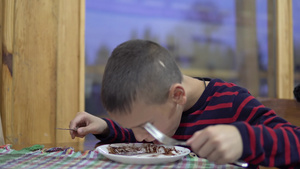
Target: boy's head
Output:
{"points": [[138, 70]]}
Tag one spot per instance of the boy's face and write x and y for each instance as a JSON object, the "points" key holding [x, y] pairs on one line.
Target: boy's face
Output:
{"points": [[166, 117]]}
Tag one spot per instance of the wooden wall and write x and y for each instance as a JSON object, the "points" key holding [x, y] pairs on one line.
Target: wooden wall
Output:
{"points": [[1, 30], [284, 49], [42, 70]]}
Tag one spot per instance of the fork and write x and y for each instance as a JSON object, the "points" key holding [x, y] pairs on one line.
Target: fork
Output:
{"points": [[66, 129], [161, 137], [158, 135]]}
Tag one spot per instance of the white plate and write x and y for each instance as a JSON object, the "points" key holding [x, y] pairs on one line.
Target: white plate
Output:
{"points": [[143, 158]]}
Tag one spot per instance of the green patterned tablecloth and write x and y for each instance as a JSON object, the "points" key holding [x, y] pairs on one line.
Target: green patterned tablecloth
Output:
{"points": [[38, 157]]}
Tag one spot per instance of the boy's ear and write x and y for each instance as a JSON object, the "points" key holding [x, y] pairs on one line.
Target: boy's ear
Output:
{"points": [[177, 94]]}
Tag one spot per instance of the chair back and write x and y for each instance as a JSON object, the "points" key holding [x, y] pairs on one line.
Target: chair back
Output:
{"points": [[289, 109]]}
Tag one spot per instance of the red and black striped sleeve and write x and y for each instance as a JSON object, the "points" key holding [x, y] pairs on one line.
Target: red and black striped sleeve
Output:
{"points": [[117, 134], [268, 139]]}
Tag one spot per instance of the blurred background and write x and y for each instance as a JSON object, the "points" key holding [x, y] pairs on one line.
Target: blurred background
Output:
{"points": [[53, 54], [233, 40]]}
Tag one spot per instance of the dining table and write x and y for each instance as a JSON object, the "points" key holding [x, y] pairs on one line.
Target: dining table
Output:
{"points": [[37, 156]]}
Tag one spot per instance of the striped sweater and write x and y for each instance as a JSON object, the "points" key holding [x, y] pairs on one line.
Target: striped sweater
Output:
{"points": [[268, 140]]}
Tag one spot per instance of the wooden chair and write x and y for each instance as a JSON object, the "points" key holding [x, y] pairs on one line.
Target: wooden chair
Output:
{"points": [[289, 109]]}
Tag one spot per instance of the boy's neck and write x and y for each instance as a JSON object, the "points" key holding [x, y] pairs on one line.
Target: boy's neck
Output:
{"points": [[193, 89]]}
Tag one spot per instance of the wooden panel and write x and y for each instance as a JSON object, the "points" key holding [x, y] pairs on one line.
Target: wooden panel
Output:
{"points": [[82, 56], [68, 61], [7, 68], [34, 81], [2, 142], [41, 86], [1, 130], [285, 56], [82, 64]]}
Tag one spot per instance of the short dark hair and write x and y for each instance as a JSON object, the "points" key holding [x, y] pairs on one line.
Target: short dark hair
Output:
{"points": [[138, 69]]}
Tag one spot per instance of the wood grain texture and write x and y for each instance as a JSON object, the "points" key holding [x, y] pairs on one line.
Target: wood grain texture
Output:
{"points": [[34, 81], [40, 78], [285, 56], [68, 62], [1, 32], [82, 63], [6, 69], [82, 56], [2, 142]]}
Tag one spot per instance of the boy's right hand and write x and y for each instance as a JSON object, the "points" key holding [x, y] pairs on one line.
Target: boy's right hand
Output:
{"points": [[85, 123]]}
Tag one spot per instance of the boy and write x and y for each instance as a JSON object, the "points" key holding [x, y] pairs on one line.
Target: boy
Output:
{"points": [[220, 121]]}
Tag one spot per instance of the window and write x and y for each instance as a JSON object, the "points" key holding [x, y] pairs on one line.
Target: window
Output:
{"points": [[232, 40]]}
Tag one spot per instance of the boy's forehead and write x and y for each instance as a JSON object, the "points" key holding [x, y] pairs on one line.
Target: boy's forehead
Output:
{"points": [[136, 108], [130, 120], [139, 114]]}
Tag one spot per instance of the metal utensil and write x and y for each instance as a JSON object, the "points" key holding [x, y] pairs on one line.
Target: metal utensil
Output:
{"points": [[158, 135], [66, 129]]}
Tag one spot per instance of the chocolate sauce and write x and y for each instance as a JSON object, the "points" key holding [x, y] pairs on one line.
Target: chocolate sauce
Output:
{"points": [[143, 149]]}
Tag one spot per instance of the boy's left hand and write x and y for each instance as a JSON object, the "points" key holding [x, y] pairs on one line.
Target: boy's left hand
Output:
{"points": [[220, 144]]}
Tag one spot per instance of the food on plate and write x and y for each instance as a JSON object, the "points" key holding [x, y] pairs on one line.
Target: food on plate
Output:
{"points": [[132, 149]]}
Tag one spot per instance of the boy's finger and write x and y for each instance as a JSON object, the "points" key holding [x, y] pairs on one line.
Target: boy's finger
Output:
{"points": [[82, 131], [197, 141], [194, 137], [72, 135]]}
